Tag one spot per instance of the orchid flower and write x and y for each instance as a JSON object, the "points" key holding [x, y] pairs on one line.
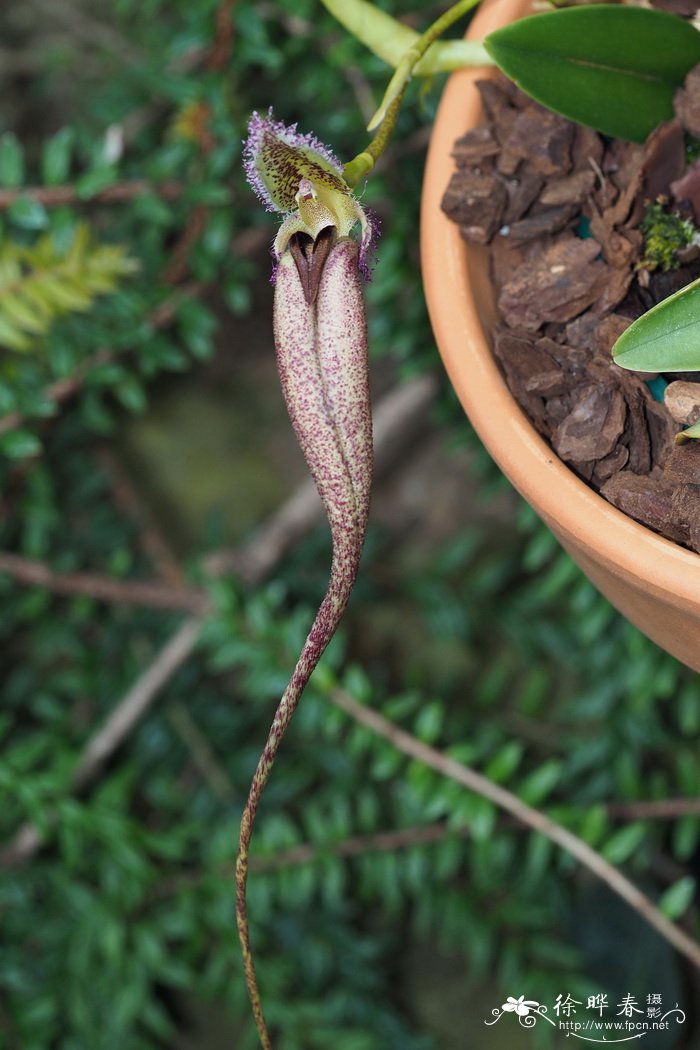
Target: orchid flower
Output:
{"points": [[321, 343]]}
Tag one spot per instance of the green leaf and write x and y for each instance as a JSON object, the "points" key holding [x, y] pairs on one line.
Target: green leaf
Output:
{"points": [[131, 394], [686, 834], [62, 293], [11, 338], [666, 338], [151, 208], [688, 434], [429, 722], [19, 443], [196, 324], [624, 843], [41, 282], [11, 161], [593, 825], [537, 856], [94, 181], [28, 213], [505, 762], [611, 67], [237, 297], [21, 313], [535, 787], [676, 900], [56, 156]]}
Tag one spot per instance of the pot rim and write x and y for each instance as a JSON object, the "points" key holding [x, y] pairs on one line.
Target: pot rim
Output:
{"points": [[593, 525]]}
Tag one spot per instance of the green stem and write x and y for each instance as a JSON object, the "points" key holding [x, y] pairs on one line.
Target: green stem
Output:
{"points": [[363, 163], [384, 119]]}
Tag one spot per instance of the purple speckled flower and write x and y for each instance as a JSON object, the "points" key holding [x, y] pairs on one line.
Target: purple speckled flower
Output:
{"points": [[321, 344], [299, 177]]}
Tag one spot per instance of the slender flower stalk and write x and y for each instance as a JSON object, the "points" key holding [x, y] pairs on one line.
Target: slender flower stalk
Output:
{"points": [[321, 343], [384, 120]]}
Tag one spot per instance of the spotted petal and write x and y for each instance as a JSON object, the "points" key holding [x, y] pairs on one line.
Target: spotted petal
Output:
{"points": [[277, 157]]}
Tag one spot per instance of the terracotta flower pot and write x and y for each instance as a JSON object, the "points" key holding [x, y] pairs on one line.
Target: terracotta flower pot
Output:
{"points": [[652, 581]]}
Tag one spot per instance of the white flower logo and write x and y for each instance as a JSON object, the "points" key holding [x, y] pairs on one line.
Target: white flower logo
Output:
{"points": [[521, 1006]]}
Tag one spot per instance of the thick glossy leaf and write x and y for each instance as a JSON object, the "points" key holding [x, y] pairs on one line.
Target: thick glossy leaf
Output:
{"points": [[613, 68], [666, 338]]}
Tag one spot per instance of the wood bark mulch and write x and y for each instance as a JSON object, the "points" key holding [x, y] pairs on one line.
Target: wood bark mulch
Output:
{"points": [[560, 208]]}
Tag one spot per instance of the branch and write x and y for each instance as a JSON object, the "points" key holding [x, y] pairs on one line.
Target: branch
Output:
{"points": [[117, 193], [356, 845], [353, 846], [150, 593], [396, 419], [525, 814], [220, 51], [661, 809], [380, 841], [251, 562], [426, 834]]}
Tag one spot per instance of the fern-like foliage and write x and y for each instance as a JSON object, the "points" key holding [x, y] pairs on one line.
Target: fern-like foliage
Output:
{"points": [[41, 282]]}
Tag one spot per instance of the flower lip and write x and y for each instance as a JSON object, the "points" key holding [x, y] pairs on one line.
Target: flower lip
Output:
{"points": [[310, 257]]}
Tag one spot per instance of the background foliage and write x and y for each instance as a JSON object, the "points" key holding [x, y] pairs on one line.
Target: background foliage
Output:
{"points": [[119, 932]]}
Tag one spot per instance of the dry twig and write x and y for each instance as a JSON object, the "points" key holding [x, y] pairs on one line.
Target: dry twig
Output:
{"points": [[525, 814], [117, 193], [150, 593], [399, 839]]}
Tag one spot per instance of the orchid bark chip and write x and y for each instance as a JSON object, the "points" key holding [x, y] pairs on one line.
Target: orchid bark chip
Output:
{"points": [[321, 344]]}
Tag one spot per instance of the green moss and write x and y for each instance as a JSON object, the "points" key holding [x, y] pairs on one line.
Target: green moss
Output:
{"points": [[664, 233]]}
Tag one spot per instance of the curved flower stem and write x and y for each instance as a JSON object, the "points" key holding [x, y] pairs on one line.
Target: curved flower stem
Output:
{"points": [[385, 117], [343, 572]]}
